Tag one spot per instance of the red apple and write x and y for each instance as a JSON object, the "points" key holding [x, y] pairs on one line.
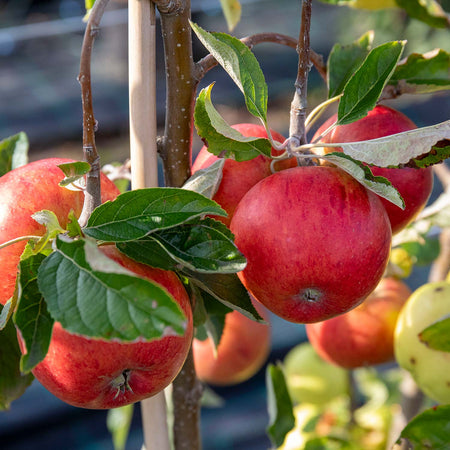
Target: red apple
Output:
{"points": [[414, 185], [26, 190], [99, 374], [242, 351], [316, 241], [363, 336], [239, 176]]}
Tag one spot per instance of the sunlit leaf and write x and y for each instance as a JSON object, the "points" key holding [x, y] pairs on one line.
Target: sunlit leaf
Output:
{"points": [[206, 181], [13, 152], [118, 422], [232, 12]]}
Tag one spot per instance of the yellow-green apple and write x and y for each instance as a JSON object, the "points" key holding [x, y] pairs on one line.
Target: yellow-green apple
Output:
{"points": [[430, 368], [239, 176], [363, 336], [316, 241], [243, 349], [26, 190], [100, 374], [414, 185], [311, 379]]}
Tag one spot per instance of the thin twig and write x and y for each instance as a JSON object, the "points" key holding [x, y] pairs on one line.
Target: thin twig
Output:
{"points": [[92, 194]]}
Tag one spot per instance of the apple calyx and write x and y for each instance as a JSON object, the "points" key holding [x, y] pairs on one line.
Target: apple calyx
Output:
{"points": [[311, 295], [121, 383]]}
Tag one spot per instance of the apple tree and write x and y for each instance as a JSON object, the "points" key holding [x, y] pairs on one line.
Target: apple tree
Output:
{"points": [[118, 285]]}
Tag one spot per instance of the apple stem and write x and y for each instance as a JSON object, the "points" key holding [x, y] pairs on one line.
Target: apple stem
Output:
{"points": [[92, 193]]}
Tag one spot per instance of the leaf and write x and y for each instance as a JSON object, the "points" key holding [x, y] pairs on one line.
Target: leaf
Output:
{"points": [[220, 138], [344, 60], [428, 430], [206, 181], [205, 246], [241, 65], [134, 214], [12, 383], [13, 152], [232, 12], [423, 74], [53, 228], [429, 11], [380, 185], [366, 85], [437, 335], [118, 421], [73, 171], [281, 417], [92, 295], [31, 316], [425, 252], [418, 148]]}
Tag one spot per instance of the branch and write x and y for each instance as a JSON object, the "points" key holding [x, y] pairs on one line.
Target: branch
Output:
{"points": [[92, 193]]}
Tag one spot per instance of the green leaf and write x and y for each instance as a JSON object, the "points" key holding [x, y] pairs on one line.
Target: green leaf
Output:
{"points": [[73, 171], [366, 85], [241, 65], [423, 74], [281, 417], [429, 11], [135, 214], [53, 228], [380, 185], [205, 246], [206, 181], [424, 252], [12, 383], [344, 60], [118, 422], [232, 12], [220, 138], [6, 313], [417, 148], [92, 295], [428, 430], [13, 152], [437, 335]]}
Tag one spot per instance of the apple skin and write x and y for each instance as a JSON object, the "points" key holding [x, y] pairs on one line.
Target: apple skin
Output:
{"points": [[242, 351], [311, 379], [430, 368], [87, 372], [414, 185], [316, 241], [239, 176], [363, 336], [26, 190]]}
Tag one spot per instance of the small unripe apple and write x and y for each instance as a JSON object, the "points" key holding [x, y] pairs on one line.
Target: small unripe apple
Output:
{"points": [[414, 185], [99, 374], [242, 351], [363, 336], [29, 189], [430, 368], [239, 176], [316, 241], [310, 379]]}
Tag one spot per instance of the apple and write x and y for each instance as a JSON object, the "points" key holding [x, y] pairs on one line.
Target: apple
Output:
{"points": [[26, 190], [99, 374], [239, 176], [242, 351], [363, 336], [414, 185], [316, 241], [430, 368], [311, 379]]}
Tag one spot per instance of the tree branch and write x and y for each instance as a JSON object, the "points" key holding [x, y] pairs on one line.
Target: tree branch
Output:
{"points": [[92, 194]]}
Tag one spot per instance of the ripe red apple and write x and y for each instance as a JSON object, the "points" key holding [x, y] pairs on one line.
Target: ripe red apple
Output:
{"points": [[24, 191], [316, 241], [99, 374], [239, 176], [242, 351], [414, 185], [363, 336]]}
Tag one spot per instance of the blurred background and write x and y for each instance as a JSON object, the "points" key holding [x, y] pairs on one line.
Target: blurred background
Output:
{"points": [[40, 43]]}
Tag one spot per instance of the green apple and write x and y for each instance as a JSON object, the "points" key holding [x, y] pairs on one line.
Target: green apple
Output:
{"points": [[310, 379], [430, 368]]}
